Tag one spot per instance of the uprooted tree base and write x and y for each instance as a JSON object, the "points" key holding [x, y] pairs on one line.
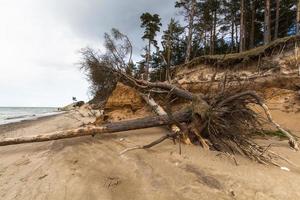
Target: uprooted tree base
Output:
{"points": [[222, 120]]}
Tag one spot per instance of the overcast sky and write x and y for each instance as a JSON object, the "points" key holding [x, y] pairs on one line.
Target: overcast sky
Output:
{"points": [[40, 40]]}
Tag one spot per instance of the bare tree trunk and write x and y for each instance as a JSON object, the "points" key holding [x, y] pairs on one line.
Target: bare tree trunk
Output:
{"points": [[147, 62], [190, 31], [298, 18], [214, 32], [236, 36], [205, 42], [161, 112], [253, 18], [267, 25], [211, 40], [242, 27], [157, 109], [169, 55], [232, 31], [106, 128], [277, 19]]}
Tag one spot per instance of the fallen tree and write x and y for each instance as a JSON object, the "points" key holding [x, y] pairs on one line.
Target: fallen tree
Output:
{"points": [[147, 122], [222, 119]]}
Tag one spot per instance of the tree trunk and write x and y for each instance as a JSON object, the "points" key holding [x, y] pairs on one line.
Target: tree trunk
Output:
{"points": [[169, 55], [267, 25], [211, 40], [190, 31], [236, 36], [214, 32], [160, 112], [106, 128], [242, 27], [277, 19], [232, 30], [148, 62], [253, 18], [154, 106], [298, 18], [205, 42]]}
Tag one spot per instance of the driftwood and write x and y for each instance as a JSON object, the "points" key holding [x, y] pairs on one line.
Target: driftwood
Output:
{"points": [[106, 128]]}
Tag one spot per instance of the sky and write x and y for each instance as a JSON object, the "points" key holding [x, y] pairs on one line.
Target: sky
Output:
{"points": [[40, 42]]}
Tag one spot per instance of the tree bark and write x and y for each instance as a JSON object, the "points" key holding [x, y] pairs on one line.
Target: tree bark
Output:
{"points": [[242, 27], [277, 19], [106, 128], [267, 24], [253, 18]]}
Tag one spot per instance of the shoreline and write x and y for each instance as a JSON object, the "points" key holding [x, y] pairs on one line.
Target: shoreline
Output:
{"points": [[26, 123]]}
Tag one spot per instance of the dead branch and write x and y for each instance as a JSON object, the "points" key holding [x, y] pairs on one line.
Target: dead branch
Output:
{"points": [[292, 141], [148, 146]]}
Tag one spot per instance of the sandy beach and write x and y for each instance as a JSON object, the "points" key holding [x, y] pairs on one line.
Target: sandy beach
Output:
{"points": [[92, 168]]}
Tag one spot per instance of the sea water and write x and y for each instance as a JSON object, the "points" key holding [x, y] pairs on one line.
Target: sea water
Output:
{"points": [[16, 114]]}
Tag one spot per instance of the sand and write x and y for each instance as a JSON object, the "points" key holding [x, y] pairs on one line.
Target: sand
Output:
{"points": [[91, 168]]}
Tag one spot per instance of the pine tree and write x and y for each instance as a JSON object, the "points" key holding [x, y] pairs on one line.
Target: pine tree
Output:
{"points": [[188, 10], [151, 24], [173, 45]]}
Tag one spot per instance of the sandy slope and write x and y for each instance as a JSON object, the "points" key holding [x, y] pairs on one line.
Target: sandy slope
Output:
{"points": [[91, 168]]}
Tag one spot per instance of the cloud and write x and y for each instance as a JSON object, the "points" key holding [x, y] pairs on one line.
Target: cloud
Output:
{"points": [[40, 41]]}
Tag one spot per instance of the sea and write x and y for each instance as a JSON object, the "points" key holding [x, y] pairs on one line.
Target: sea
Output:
{"points": [[17, 114]]}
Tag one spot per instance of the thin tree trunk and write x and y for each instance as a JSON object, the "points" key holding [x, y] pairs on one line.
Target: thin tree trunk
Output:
{"points": [[236, 36], [253, 18], [205, 42], [211, 40], [277, 19], [214, 32], [190, 31], [232, 31], [267, 25], [242, 27], [148, 62], [169, 55], [298, 18], [106, 128]]}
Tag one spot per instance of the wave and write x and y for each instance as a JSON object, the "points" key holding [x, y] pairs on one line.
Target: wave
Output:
{"points": [[12, 115], [19, 117]]}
